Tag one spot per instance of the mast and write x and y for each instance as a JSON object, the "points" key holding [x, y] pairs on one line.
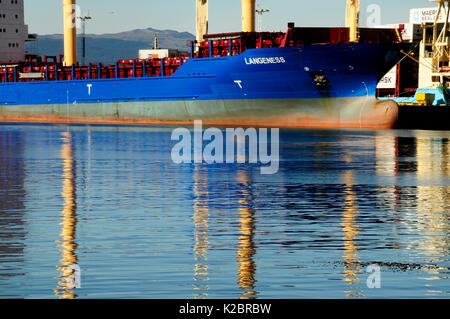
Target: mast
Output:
{"points": [[352, 19], [70, 32], [202, 19], [248, 15]]}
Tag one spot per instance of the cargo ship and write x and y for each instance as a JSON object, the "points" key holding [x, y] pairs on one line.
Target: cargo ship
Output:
{"points": [[304, 77], [420, 83]]}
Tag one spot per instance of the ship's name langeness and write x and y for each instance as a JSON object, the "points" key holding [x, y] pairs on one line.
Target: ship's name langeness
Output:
{"points": [[271, 60]]}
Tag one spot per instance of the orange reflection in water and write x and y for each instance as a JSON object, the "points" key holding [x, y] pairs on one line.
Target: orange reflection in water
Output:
{"points": [[200, 219], [246, 247], [351, 231], [67, 243]]}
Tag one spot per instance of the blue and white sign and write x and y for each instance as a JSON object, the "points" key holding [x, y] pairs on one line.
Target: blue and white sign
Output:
{"points": [[426, 15]]}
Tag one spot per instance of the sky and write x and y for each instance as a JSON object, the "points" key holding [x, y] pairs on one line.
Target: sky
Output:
{"points": [[112, 16]]}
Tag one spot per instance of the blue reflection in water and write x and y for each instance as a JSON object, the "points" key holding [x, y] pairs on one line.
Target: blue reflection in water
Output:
{"points": [[110, 201]]}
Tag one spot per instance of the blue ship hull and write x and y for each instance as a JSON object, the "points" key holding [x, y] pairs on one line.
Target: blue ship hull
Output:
{"points": [[318, 85]]}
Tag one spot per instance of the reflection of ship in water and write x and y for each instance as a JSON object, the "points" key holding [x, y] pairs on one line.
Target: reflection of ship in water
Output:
{"points": [[387, 152], [433, 201], [246, 246], [426, 206], [12, 206], [386, 155], [351, 232], [68, 263], [201, 214]]}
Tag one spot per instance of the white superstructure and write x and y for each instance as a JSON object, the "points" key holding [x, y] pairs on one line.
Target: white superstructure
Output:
{"points": [[13, 31]]}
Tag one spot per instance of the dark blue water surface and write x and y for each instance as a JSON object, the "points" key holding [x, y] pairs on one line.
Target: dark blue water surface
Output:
{"points": [[110, 201]]}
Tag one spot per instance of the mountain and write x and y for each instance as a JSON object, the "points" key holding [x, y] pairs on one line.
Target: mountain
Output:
{"points": [[108, 48]]}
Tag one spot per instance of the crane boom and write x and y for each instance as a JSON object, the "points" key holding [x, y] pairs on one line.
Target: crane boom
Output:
{"points": [[434, 69]]}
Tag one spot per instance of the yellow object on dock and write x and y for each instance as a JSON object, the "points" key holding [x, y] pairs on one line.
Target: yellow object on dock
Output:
{"points": [[420, 104], [425, 98]]}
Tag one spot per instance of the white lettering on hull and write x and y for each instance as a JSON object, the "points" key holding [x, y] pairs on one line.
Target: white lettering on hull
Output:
{"points": [[271, 60]]}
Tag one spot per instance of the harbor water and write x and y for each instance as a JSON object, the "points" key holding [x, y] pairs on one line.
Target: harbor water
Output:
{"points": [[104, 212]]}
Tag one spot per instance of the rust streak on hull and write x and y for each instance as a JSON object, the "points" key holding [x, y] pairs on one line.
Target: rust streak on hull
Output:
{"points": [[366, 113]]}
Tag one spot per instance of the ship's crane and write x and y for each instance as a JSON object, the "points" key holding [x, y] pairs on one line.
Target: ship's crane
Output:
{"points": [[434, 68], [352, 19], [248, 17], [441, 44]]}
